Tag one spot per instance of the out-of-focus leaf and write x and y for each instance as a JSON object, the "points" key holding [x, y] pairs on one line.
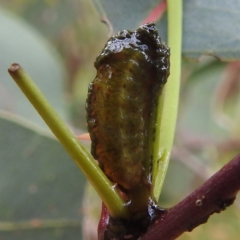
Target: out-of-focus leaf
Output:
{"points": [[197, 117], [49, 17], [39, 183], [22, 44], [209, 26], [212, 27], [125, 14], [73, 27]]}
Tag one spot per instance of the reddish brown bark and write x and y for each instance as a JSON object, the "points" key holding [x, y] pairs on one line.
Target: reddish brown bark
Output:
{"points": [[214, 196]]}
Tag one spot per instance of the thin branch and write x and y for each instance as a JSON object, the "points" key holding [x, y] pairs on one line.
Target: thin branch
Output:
{"points": [[214, 196], [82, 158]]}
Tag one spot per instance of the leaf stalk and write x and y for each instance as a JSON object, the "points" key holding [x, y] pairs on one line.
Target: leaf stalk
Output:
{"points": [[168, 104], [78, 153]]}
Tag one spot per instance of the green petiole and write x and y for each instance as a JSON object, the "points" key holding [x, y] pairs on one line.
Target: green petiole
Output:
{"points": [[82, 158], [168, 104]]}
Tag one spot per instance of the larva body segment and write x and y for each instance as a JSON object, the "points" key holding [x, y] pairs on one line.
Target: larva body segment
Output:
{"points": [[121, 104]]}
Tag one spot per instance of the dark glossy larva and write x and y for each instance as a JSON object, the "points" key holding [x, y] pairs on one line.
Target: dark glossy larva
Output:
{"points": [[121, 104]]}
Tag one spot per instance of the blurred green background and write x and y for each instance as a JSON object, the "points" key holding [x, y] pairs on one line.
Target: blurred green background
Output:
{"points": [[43, 195]]}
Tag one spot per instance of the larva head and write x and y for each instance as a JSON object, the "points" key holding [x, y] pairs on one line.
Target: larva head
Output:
{"points": [[144, 40]]}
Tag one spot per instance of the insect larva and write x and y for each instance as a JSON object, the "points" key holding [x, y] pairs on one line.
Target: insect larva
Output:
{"points": [[121, 104]]}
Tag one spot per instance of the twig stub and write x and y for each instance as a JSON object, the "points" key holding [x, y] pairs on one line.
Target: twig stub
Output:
{"points": [[13, 68]]}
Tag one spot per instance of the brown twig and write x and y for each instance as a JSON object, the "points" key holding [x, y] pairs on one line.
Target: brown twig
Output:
{"points": [[214, 196]]}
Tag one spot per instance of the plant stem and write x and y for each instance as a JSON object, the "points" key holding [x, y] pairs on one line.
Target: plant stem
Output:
{"points": [[83, 159], [167, 111], [214, 196]]}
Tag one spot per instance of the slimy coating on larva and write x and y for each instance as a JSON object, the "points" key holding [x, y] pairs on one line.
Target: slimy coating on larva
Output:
{"points": [[121, 104]]}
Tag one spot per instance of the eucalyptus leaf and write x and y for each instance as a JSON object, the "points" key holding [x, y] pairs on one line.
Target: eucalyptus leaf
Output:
{"points": [[125, 14], [197, 116], [41, 189], [209, 27], [212, 27], [22, 44]]}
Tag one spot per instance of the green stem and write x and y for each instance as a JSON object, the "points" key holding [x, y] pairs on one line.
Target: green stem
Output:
{"points": [[167, 111], [83, 159]]}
